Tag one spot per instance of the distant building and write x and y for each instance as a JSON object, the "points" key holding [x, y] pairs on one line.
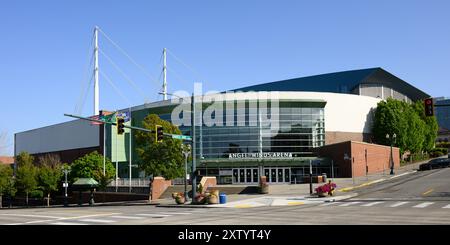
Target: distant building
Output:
{"points": [[442, 111], [7, 160]]}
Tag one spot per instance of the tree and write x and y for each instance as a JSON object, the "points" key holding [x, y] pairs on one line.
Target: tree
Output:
{"points": [[91, 166], [415, 132], [431, 126], [26, 180], [49, 178], [51, 160], [159, 159], [6, 182]]}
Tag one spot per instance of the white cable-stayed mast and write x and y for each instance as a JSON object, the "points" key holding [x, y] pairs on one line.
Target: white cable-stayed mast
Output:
{"points": [[96, 88], [164, 92]]}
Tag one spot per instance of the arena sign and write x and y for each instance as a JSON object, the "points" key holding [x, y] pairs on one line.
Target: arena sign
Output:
{"points": [[278, 155]]}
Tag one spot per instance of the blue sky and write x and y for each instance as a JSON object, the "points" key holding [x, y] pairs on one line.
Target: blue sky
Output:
{"points": [[44, 48]]}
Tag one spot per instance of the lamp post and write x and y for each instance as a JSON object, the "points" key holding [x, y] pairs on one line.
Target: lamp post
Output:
{"points": [[186, 152], [391, 160], [65, 170]]}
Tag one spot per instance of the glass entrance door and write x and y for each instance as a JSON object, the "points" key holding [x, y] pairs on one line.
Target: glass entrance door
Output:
{"points": [[245, 176], [279, 175]]}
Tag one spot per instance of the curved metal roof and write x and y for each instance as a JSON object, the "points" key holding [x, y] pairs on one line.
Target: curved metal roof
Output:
{"points": [[341, 82]]}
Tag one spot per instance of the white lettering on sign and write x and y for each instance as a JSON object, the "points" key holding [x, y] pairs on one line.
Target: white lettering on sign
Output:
{"points": [[260, 155]]}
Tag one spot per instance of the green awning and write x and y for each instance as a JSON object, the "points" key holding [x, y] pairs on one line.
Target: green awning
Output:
{"points": [[85, 183]]}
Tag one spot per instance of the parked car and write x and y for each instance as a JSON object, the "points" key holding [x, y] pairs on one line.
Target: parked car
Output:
{"points": [[435, 163]]}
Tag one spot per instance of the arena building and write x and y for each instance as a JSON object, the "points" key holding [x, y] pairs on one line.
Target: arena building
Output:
{"points": [[243, 143]]}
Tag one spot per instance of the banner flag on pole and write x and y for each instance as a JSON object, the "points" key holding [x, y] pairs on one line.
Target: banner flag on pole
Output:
{"points": [[96, 117]]}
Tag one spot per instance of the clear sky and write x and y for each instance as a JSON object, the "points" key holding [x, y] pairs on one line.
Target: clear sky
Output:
{"points": [[45, 48]]}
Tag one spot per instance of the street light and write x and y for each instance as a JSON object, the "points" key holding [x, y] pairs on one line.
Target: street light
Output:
{"points": [[186, 152], [66, 170], [391, 160]]}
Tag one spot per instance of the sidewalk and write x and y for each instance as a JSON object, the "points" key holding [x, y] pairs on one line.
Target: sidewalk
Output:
{"points": [[299, 194]]}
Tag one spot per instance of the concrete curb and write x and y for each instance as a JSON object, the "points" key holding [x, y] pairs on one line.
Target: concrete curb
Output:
{"points": [[374, 182]]}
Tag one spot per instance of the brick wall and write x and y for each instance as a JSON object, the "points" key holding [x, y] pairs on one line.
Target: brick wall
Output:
{"points": [[159, 186], [362, 156]]}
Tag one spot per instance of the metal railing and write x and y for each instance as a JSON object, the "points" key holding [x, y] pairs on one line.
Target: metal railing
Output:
{"points": [[136, 182]]}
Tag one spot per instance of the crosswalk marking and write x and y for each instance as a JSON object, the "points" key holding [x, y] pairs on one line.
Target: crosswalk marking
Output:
{"points": [[370, 204], [125, 217], [447, 206], [423, 205], [67, 223], [97, 220], [398, 204], [175, 213], [329, 203], [155, 215], [348, 204]]}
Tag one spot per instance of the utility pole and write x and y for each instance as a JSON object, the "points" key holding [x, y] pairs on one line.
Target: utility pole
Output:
{"points": [[130, 157], [96, 88], [164, 75], [194, 174]]}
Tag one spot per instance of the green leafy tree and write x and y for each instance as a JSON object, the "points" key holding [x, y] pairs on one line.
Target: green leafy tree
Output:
{"points": [[415, 132], [431, 126], [6, 182], [91, 166], [159, 158], [49, 178], [26, 176]]}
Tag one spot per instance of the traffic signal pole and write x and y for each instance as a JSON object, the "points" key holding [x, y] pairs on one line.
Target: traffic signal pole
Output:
{"points": [[194, 152]]}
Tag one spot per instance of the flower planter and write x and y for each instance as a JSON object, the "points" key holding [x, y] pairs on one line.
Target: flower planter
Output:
{"points": [[213, 199], [264, 189], [321, 194], [180, 200]]}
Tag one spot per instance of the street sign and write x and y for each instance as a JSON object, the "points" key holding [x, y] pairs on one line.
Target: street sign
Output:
{"points": [[65, 184], [181, 137]]}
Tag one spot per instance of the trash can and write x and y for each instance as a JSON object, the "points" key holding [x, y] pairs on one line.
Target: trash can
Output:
{"points": [[222, 198]]}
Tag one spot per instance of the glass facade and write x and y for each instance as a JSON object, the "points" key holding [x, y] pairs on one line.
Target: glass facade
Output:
{"points": [[442, 109], [301, 128]]}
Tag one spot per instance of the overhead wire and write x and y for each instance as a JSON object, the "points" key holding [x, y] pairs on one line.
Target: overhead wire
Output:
{"points": [[80, 109], [85, 74], [199, 76], [115, 87], [127, 55], [127, 78]]}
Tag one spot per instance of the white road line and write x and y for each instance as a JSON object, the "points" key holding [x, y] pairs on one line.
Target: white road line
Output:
{"points": [[124, 217], [423, 205], [97, 220], [31, 216], [329, 203], [67, 223], [175, 213], [155, 215], [396, 176], [398, 204], [348, 204], [370, 204], [447, 206]]}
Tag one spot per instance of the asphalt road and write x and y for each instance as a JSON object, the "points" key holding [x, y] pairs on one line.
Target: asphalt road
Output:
{"points": [[417, 198]]}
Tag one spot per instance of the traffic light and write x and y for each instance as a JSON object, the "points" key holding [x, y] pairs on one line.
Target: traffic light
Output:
{"points": [[159, 133], [429, 107], [120, 127]]}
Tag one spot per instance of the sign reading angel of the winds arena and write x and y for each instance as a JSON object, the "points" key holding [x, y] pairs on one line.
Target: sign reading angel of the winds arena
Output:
{"points": [[279, 155]]}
